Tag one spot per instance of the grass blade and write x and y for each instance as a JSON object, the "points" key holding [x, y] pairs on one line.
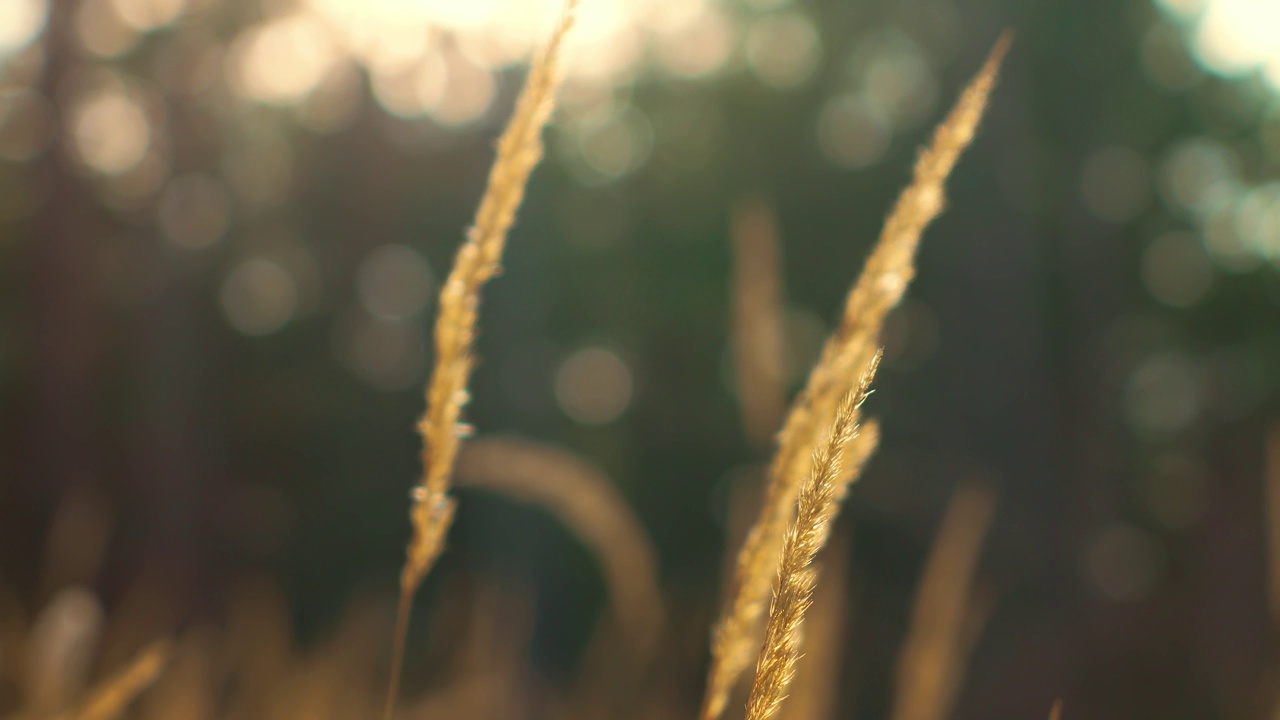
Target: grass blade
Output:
{"points": [[883, 282], [519, 150]]}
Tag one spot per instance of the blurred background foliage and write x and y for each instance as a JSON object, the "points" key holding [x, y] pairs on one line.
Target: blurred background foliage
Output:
{"points": [[223, 222]]}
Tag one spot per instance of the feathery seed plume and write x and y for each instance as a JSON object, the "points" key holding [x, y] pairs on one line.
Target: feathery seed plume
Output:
{"points": [[816, 508], [519, 150], [880, 287]]}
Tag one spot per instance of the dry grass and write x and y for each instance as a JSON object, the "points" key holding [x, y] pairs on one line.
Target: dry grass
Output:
{"points": [[933, 657], [881, 286], [817, 506], [757, 319], [519, 150], [59, 650], [583, 498], [111, 698], [815, 691]]}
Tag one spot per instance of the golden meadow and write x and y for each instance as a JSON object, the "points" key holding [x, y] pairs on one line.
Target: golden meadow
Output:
{"points": [[773, 651]]}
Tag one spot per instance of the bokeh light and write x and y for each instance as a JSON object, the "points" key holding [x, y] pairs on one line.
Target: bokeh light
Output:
{"points": [[148, 14], [20, 22], [1163, 396], [1258, 220], [466, 94], [110, 128], [700, 47], [783, 49], [853, 131], [412, 89], [394, 282], [893, 73], [593, 385], [1239, 222], [1239, 36], [612, 144], [1231, 38], [1199, 175], [281, 61], [388, 355], [259, 297], [101, 30], [888, 88]]}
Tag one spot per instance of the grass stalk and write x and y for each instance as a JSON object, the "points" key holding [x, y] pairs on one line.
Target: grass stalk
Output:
{"points": [[111, 698], [815, 691], [817, 506], [585, 500], [884, 280], [519, 149], [936, 648], [757, 319]]}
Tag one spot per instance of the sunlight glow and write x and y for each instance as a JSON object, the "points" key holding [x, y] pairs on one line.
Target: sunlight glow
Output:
{"points": [[110, 130], [1234, 37], [700, 48], [148, 14], [101, 30], [439, 58], [282, 61], [20, 22]]}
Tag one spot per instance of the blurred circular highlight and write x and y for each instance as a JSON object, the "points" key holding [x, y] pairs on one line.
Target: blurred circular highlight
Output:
{"points": [[259, 297], [110, 130], [1163, 396], [394, 282], [282, 60], [20, 22], [783, 49], [853, 132], [389, 355], [594, 386]]}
